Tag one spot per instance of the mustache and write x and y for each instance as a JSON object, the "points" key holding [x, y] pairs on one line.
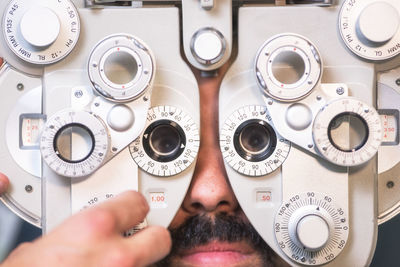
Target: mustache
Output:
{"points": [[202, 229]]}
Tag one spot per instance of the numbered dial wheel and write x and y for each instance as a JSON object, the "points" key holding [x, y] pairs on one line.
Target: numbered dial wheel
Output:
{"points": [[288, 67], [311, 229], [169, 143], [249, 143], [347, 132], [102, 197], [121, 68], [370, 28], [41, 31], [74, 143]]}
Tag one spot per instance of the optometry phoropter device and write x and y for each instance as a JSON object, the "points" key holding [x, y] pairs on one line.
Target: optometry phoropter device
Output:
{"points": [[98, 100]]}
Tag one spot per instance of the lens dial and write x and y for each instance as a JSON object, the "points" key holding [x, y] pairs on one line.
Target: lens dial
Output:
{"points": [[287, 67], [310, 229], [169, 143], [74, 143], [370, 28], [249, 143], [347, 132], [121, 68], [40, 31]]}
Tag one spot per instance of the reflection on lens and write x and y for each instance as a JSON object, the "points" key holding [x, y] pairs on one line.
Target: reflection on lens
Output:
{"points": [[74, 143], [164, 141], [121, 67], [255, 140], [348, 132], [288, 67]]}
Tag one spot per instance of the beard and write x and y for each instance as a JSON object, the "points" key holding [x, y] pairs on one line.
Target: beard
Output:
{"points": [[201, 230]]}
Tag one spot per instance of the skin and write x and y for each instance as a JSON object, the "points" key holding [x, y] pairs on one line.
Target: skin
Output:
{"points": [[97, 239]]}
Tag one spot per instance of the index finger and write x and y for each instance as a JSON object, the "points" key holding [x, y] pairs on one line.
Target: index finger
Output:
{"points": [[122, 212]]}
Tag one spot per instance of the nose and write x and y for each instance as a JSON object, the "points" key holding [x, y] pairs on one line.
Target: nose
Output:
{"points": [[210, 191]]}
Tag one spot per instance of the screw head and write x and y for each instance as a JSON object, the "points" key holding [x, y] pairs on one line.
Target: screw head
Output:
{"points": [[28, 188], [340, 91], [20, 87], [390, 184], [398, 81], [78, 93]]}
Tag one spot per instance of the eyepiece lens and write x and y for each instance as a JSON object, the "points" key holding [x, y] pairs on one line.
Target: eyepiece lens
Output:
{"points": [[165, 140], [254, 138]]}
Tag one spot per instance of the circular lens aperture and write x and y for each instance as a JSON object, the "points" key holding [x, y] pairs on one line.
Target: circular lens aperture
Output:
{"points": [[255, 140], [288, 67], [164, 141], [348, 132], [74, 143], [120, 67]]}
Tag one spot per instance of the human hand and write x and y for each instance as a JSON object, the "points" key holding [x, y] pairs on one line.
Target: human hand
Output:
{"points": [[4, 183], [93, 237]]}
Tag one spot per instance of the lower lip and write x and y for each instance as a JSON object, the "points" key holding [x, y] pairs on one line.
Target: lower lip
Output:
{"points": [[215, 258]]}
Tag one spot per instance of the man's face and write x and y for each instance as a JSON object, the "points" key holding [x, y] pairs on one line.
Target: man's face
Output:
{"points": [[210, 228]]}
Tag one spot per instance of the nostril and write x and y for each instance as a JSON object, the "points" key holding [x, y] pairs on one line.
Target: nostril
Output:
{"points": [[223, 203], [197, 206]]}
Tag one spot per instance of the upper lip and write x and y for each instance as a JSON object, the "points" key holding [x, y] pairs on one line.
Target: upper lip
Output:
{"points": [[218, 246]]}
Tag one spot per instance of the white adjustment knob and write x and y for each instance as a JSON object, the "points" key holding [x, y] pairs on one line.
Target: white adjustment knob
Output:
{"points": [[208, 46], [120, 118], [310, 229], [378, 22], [40, 26], [41, 32], [371, 28], [312, 232]]}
